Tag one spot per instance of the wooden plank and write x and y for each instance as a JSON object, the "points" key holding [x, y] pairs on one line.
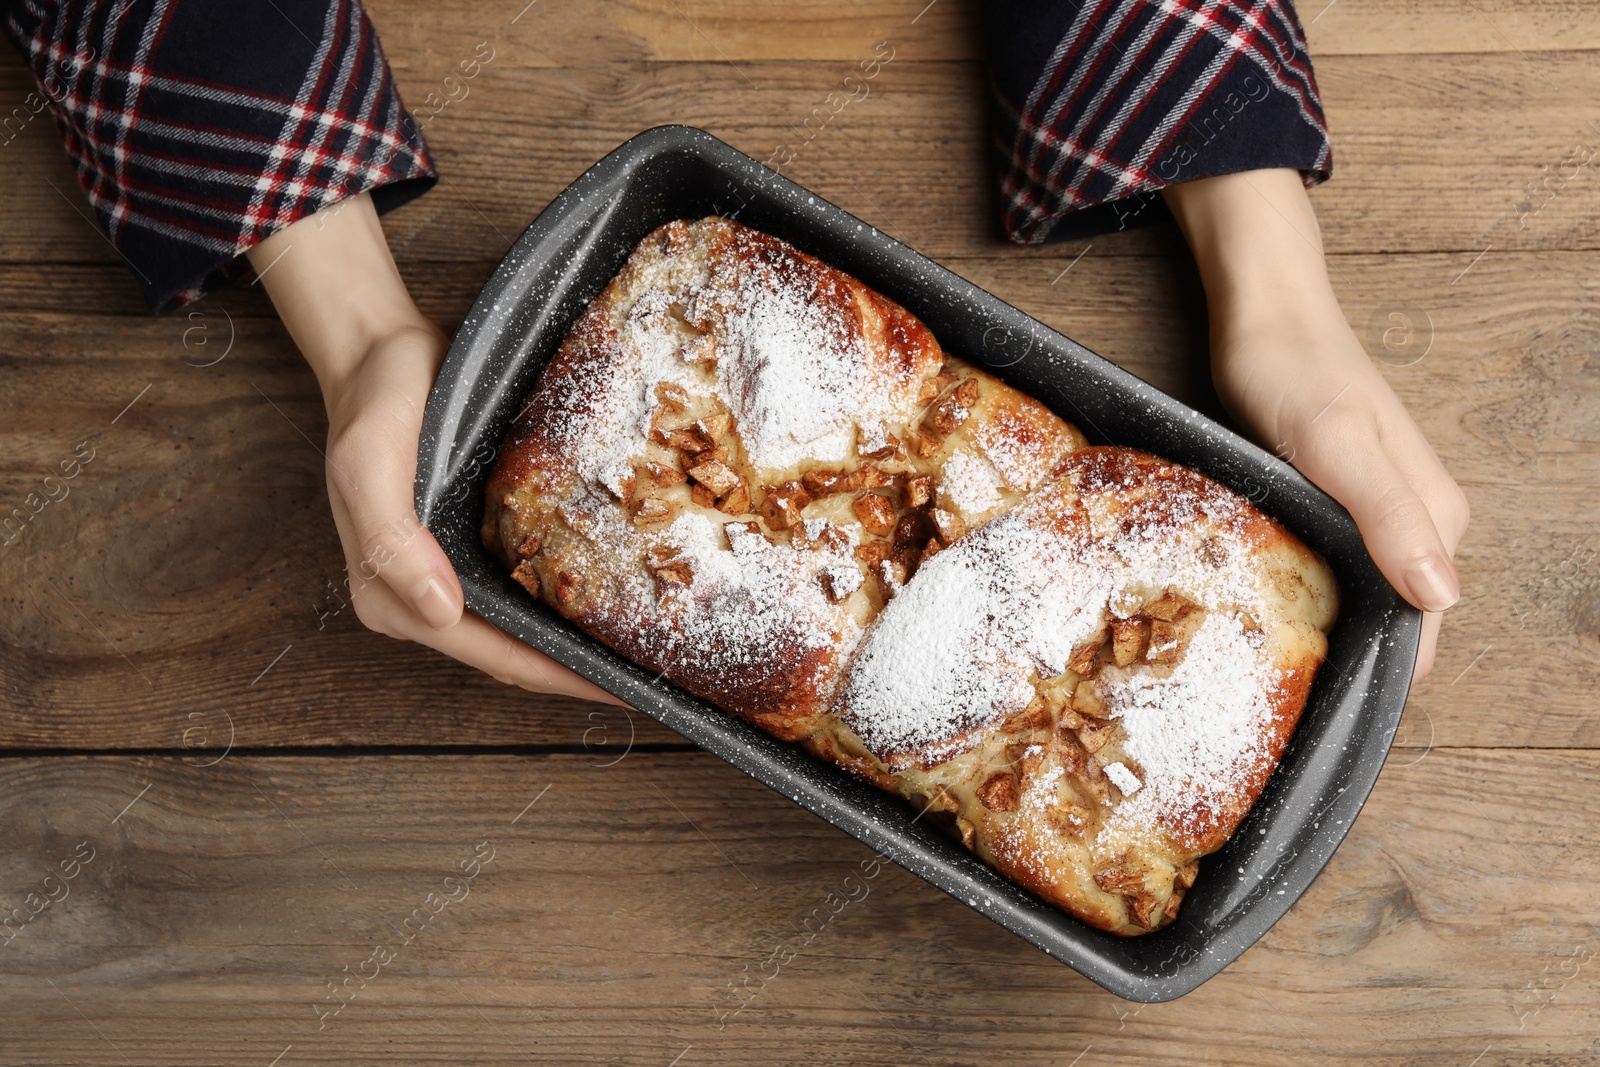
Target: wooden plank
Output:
{"points": [[1372, 27], [626, 907], [1432, 153], [622, 917], [1506, 394], [444, 292], [741, 31], [192, 568], [425, 43], [837, 32], [1458, 189], [204, 469]]}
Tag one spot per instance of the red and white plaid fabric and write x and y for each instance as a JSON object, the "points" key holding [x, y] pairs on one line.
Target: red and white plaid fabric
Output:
{"points": [[199, 127], [1102, 102]]}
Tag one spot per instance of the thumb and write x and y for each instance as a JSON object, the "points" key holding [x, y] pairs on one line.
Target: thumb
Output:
{"points": [[370, 486], [1395, 522], [404, 556], [1399, 532]]}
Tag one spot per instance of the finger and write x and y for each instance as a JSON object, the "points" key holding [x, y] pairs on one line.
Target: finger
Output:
{"points": [[1417, 462], [1425, 648], [481, 645], [1395, 522], [478, 644], [371, 472]]}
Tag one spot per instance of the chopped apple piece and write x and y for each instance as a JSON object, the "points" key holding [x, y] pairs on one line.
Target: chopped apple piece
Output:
{"points": [[919, 491], [1185, 876], [783, 504], [1163, 643], [664, 475], [651, 509], [874, 511], [672, 396], [1127, 640], [715, 476], [1085, 701], [735, 501], [948, 523], [1093, 736], [999, 791], [1082, 660]]}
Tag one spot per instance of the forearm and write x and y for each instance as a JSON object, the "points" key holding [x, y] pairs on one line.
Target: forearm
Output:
{"points": [[1287, 365], [1280, 346], [1257, 244], [336, 287]]}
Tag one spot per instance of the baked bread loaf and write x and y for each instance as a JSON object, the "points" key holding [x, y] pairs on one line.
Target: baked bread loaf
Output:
{"points": [[749, 472]]}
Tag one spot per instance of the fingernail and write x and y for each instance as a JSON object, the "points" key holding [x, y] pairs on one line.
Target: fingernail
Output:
{"points": [[1432, 586], [437, 606]]}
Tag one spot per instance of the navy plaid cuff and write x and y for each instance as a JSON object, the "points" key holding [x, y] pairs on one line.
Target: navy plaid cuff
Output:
{"points": [[200, 127], [1101, 104]]}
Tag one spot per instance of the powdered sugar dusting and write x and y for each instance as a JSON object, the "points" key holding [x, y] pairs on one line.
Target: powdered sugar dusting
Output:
{"points": [[1198, 731], [956, 651], [1022, 449], [793, 368], [791, 364], [603, 420], [1123, 778], [789, 381], [970, 484], [953, 650], [741, 607], [845, 577]]}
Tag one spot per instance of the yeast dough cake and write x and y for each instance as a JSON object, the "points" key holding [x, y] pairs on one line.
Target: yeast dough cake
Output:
{"points": [[749, 472]]}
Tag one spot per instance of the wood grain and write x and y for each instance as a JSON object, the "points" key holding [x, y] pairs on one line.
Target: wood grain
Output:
{"points": [[757, 31], [624, 907], [184, 597], [195, 550], [219, 467], [1460, 186], [740, 31], [837, 31]]}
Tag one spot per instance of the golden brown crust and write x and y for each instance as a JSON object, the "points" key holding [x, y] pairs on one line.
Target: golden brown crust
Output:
{"points": [[1099, 781], [676, 286], [751, 473]]}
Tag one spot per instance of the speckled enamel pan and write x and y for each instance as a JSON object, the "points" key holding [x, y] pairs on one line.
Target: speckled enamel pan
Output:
{"points": [[578, 244]]}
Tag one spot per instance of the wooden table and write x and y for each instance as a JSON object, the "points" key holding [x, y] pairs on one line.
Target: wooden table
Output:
{"points": [[181, 598]]}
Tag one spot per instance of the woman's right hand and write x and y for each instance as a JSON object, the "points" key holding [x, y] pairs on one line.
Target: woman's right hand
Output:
{"points": [[338, 291], [1302, 384], [1288, 367]]}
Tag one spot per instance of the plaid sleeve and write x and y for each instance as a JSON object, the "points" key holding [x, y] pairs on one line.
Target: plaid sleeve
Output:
{"points": [[200, 127], [1099, 103]]}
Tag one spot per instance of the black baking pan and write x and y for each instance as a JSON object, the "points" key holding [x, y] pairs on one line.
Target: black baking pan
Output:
{"points": [[578, 243]]}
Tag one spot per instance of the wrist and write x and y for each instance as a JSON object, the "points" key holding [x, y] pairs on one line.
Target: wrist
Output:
{"points": [[1258, 249], [337, 289]]}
